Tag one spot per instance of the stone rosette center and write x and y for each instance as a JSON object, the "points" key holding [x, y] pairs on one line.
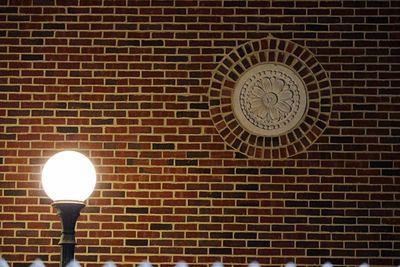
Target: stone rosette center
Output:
{"points": [[269, 99]]}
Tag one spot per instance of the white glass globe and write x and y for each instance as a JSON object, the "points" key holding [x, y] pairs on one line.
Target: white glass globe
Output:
{"points": [[68, 176]]}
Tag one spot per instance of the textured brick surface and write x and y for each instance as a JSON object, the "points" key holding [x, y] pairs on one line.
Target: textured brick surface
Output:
{"points": [[126, 82]]}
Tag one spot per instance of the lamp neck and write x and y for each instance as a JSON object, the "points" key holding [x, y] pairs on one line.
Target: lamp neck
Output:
{"points": [[69, 212]]}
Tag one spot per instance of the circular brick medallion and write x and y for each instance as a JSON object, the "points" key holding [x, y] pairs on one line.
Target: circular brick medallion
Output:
{"points": [[270, 98]]}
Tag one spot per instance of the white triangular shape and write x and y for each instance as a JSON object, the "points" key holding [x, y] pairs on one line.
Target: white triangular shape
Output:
{"points": [[3, 263], [109, 264], [37, 263], [217, 264], [73, 263], [181, 264], [254, 264], [145, 264]]}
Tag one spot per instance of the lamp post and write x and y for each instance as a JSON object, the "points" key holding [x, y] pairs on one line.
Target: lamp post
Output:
{"points": [[68, 178]]}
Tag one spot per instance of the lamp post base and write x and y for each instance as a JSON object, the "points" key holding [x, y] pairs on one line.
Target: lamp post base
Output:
{"points": [[69, 212]]}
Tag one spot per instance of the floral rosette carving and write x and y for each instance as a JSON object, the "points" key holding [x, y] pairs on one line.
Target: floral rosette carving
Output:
{"points": [[270, 100]]}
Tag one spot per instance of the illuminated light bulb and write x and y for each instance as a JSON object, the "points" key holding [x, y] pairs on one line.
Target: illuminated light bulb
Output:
{"points": [[68, 176]]}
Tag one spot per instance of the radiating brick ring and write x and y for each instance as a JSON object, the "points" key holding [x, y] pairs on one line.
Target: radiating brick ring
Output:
{"points": [[270, 98]]}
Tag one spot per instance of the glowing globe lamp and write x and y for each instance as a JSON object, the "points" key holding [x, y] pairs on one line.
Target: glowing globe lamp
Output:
{"points": [[68, 178]]}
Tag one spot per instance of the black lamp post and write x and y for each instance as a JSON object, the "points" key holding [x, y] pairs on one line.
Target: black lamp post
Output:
{"points": [[68, 178], [69, 213]]}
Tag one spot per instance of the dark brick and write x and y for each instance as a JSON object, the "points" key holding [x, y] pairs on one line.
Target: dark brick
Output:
{"points": [[129, 42], [102, 121], [248, 203], [8, 10], [234, 195], [17, 18], [258, 243], [196, 251], [316, 27], [283, 4], [116, 50], [43, 113], [137, 210], [198, 154], [274, 171], [321, 204], [296, 203], [318, 252], [152, 43], [177, 58], [220, 251], [186, 162], [221, 235], [247, 187], [68, 129], [31, 57], [78, 105], [10, 88], [199, 106], [54, 26], [245, 235], [342, 139], [187, 114], [210, 194], [344, 220], [163, 146], [66, 18], [233, 3], [199, 170], [136, 242], [391, 172], [43, 34], [381, 164], [377, 20], [15, 193], [160, 226], [234, 243], [246, 171], [44, 2]]}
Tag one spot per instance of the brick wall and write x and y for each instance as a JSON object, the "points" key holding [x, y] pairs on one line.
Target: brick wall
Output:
{"points": [[126, 82]]}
